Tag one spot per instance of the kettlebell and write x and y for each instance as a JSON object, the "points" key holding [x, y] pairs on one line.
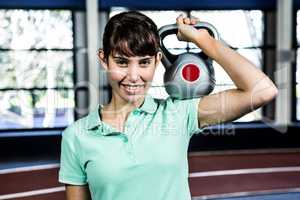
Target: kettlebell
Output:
{"points": [[188, 75]]}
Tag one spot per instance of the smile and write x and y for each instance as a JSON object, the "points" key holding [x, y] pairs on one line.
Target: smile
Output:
{"points": [[132, 88]]}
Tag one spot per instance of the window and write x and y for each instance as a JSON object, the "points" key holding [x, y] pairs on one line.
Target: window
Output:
{"points": [[36, 69], [298, 68], [248, 41]]}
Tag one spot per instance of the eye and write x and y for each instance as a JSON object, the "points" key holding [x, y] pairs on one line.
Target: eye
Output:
{"points": [[145, 62], [122, 63]]}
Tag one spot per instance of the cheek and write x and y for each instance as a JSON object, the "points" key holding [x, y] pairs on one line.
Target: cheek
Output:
{"points": [[116, 74], [148, 74]]}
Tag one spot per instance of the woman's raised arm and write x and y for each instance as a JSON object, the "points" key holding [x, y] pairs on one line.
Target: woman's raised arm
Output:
{"points": [[254, 88]]}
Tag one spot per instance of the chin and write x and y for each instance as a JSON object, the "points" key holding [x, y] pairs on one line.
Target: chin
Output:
{"points": [[133, 98]]}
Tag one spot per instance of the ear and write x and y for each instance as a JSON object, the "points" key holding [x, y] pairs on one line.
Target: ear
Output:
{"points": [[102, 59], [158, 58]]}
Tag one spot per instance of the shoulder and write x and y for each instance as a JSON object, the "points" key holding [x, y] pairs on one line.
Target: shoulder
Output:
{"points": [[78, 127], [172, 103]]}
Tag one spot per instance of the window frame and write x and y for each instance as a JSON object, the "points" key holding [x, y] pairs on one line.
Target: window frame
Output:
{"points": [[295, 47], [19, 132]]}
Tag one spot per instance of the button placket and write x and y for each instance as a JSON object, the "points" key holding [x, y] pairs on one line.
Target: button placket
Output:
{"points": [[130, 150], [130, 120], [129, 145], [124, 138]]}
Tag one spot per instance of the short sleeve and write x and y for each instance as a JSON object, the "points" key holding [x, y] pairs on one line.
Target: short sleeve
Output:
{"points": [[190, 108], [71, 171], [193, 121]]}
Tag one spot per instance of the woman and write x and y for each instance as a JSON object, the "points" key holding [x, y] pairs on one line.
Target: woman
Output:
{"points": [[135, 147]]}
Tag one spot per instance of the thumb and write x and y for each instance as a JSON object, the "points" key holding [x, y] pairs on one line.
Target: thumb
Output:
{"points": [[179, 19]]}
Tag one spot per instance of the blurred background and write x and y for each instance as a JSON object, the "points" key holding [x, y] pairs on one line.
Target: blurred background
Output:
{"points": [[50, 77]]}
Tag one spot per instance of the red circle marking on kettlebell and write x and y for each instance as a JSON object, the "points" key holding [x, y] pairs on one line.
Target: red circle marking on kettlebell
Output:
{"points": [[190, 72]]}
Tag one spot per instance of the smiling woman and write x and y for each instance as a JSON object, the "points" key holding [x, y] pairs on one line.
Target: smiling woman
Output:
{"points": [[130, 55], [135, 147]]}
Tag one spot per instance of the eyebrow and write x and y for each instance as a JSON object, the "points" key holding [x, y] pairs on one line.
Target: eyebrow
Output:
{"points": [[126, 58], [146, 58], [119, 57]]}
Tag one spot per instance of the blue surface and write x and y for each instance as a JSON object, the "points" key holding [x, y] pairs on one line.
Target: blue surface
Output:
{"points": [[16, 164], [281, 196], [138, 4]]}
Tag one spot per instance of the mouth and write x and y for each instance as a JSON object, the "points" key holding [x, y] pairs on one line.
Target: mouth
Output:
{"points": [[133, 88]]}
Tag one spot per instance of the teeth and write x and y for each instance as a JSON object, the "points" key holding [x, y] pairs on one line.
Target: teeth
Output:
{"points": [[132, 87]]}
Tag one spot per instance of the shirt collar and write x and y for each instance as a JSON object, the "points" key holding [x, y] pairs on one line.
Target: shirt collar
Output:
{"points": [[93, 119]]}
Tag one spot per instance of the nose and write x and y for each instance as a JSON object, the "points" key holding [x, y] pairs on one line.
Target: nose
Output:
{"points": [[133, 73]]}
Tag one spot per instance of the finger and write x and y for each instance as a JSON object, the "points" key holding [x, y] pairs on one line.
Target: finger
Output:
{"points": [[194, 21], [187, 20], [179, 19]]}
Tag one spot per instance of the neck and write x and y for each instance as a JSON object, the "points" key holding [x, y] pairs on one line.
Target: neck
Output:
{"points": [[121, 108]]}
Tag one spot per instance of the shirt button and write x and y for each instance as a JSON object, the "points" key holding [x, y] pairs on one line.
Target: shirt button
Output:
{"points": [[125, 139], [136, 112]]}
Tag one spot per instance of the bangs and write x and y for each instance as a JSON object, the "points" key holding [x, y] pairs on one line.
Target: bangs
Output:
{"points": [[134, 43], [130, 34]]}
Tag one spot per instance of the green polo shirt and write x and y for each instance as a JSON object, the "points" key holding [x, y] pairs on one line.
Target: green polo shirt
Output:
{"points": [[147, 161]]}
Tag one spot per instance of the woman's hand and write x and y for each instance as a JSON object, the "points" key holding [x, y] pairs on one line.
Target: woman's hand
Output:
{"points": [[187, 32]]}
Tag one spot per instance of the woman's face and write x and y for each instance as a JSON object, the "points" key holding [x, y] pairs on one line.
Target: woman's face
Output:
{"points": [[130, 77]]}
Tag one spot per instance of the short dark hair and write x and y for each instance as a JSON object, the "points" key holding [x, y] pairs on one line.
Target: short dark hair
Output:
{"points": [[130, 34]]}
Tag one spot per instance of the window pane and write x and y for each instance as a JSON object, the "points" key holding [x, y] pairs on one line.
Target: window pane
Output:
{"points": [[36, 109], [116, 10], [298, 100], [27, 69], [298, 68], [36, 51], [162, 18], [298, 28], [25, 29], [298, 82], [171, 43], [239, 28], [255, 115], [254, 55]]}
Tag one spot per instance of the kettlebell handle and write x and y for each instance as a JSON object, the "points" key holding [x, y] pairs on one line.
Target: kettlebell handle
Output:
{"points": [[173, 29]]}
